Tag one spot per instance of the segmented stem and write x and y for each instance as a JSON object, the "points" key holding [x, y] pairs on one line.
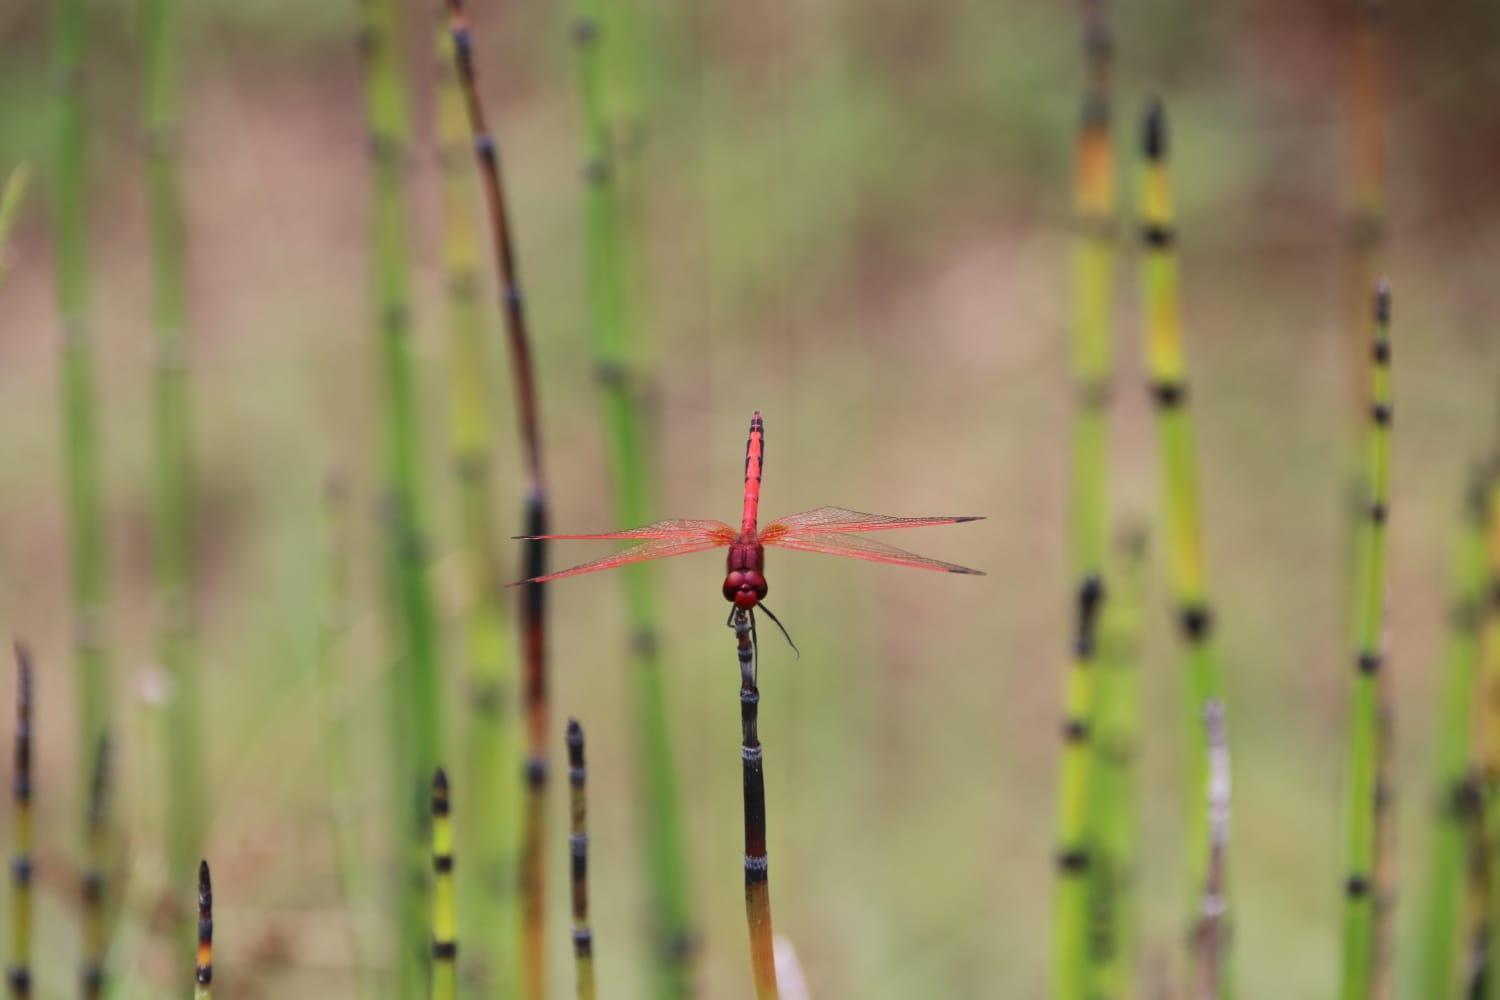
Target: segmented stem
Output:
{"points": [[578, 850], [204, 974], [534, 554], [413, 683], [444, 917], [1366, 729], [492, 751], [1484, 869], [95, 883], [18, 974], [1457, 800], [1071, 948], [613, 335], [1167, 370], [173, 525], [1210, 931], [757, 869]]}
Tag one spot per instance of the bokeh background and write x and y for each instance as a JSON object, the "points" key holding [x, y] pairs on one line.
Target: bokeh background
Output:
{"points": [[857, 220]]}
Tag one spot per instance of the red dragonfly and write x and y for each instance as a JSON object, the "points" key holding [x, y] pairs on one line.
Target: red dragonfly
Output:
{"points": [[832, 530]]}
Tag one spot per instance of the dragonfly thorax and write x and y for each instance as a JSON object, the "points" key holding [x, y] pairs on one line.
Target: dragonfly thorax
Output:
{"points": [[745, 583]]}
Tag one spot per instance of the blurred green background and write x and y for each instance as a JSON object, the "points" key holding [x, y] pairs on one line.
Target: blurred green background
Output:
{"points": [[857, 221]]}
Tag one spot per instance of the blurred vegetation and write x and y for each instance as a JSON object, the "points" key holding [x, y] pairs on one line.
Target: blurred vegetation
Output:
{"points": [[856, 220]]}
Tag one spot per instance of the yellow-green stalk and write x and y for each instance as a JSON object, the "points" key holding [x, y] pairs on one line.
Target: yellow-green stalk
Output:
{"points": [[203, 977], [95, 882], [1071, 965], [578, 851], [172, 426], [1484, 868], [444, 911], [1360, 956], [18, 971], [1456, 800], [492, 749], [1166, 367], [413, 683], [1078, 914], [11, 198], [1114, 794], [613, 336], [80, 422]]}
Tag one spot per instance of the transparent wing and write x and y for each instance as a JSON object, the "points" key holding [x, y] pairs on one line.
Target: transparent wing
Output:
{"points": [[841, 520], [656, 548], [859, 547], [675, 528]]}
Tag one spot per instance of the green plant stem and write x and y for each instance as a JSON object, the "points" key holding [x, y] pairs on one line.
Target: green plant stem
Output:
{"points": [[757, 867], [18, 973], [95, 888], [617, 367], [173, 444], [12, 196], [1071, 968], [413, 682], [1166, 368], [1456, 797], [492, 748], [444, 917], [578, 850], [80, 425], [1114, 807], [1360, 956]]}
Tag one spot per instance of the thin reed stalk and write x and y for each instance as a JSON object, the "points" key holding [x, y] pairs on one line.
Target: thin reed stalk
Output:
{"points": [[413, 688], [1360, 957], [492, 749], [617, 366], [334, 691], [1182, 525], [1075, 913], [444, 914], [11, 198], [95, 884], [173, 442], [1211, 930], [18, 973], [1484, 869], [534, 554], [203, 977], [1456, 801], [578, 850], [80, 423], [1114, 808], [1071, 968], [757, 866]]}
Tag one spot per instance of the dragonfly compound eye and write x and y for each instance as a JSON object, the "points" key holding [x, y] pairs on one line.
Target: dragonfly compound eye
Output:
{"points": [[756, 583], [733, 583]]}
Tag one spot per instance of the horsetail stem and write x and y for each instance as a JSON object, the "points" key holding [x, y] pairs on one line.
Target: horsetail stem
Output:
{"points": [[1365, 186], [11, 198], [95, 885], [444, 917], [18, 975], [493, 792], [1092, 362], [1365, 802], [614, 339], [203, 978], [1114, 808], [578, 850], [1456, 802], [1211, 930], [534, 554], [1071, 946], [757, 869], [80, 423], [1167, 371], [413, 683], [1484, 870], [173, 525]]}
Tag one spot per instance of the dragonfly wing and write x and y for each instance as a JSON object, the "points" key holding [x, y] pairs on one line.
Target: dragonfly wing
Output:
{"points": [[675, 528], [841, 520], [859, 547], [655, 548]]}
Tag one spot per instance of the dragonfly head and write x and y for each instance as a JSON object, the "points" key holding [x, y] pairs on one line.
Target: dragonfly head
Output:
{"points": [[744, 588]]}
